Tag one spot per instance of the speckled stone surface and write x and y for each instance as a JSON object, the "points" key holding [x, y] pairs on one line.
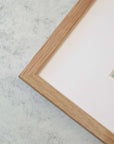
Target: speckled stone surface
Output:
{"points": [[25, 116]]}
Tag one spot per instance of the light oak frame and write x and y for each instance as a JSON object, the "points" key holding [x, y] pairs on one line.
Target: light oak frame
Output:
{"points": [[30, 74]]}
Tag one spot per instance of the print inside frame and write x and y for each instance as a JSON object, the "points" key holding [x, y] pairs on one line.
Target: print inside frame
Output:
{"points": [[76, 78]]}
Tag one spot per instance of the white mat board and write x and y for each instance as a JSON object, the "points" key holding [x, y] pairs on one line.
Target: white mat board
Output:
{"points": [[81, 67]]}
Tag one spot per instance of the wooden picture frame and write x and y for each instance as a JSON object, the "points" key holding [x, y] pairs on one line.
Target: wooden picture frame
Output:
{"points": [[30, 74]]}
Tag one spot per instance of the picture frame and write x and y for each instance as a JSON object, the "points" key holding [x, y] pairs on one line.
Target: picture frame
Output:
{"points": [[31, 73]]}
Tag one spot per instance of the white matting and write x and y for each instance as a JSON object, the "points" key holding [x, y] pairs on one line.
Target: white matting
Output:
{"points": [[81, 67]]}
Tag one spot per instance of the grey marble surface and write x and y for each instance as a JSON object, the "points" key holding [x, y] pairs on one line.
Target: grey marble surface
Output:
{"points": [[25, 116]]}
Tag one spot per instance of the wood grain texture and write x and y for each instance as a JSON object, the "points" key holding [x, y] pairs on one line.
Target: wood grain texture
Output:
{"points": [[58, 36], [69, 108], [30, 74]]}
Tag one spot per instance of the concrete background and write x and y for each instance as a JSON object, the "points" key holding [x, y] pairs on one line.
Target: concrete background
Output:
{"points": [[25, 116]]}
